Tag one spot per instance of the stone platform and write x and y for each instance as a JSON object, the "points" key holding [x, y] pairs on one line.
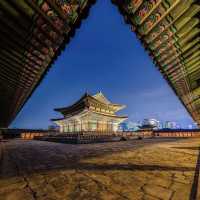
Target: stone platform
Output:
{"points": [[79, 138], [149, 169]]}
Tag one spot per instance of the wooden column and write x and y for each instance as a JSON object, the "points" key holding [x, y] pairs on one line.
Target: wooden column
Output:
{"points": [[97, 126], [74, 125]]}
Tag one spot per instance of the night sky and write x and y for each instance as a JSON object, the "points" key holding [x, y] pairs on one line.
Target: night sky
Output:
{"points": [[104, 56]]}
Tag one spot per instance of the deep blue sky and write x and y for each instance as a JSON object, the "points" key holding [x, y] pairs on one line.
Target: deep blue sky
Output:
{"points": [[104, 55]]}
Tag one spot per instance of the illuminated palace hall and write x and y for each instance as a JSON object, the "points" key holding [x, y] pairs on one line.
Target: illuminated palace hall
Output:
{"points": [[90, 113]]}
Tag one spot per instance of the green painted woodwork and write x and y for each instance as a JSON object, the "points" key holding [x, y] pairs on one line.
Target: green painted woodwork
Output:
{"points": [[170, 33], [168, 29]]}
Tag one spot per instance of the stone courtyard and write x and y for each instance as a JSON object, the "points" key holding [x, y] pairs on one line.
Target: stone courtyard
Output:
{"points": [[149, 169]]}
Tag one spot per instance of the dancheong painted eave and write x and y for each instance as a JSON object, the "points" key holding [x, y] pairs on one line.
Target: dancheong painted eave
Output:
{"points": [[170, 32], [91, 101], [32, 36]]}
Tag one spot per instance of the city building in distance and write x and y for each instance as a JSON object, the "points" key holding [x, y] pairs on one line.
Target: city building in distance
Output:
{"points": [[90, 113], [170, 125], [150, 124]]}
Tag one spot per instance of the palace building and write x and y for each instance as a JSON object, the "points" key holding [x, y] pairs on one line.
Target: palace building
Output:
{"points": [[93, 113]]}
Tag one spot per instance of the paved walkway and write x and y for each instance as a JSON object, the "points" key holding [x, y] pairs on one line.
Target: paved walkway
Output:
{"points": [[151, 169]]}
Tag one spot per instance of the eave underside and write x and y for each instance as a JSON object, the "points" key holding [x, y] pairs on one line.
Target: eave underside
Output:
{"points": [[32, 35], [87, 101], [169, 30], [88, 114]]}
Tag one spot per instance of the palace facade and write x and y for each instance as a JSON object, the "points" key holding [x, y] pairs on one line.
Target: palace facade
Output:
{"points": [[90, 113]]}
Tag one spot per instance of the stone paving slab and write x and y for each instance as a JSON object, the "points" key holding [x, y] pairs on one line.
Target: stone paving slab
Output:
{"points": [[151, 169]]}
